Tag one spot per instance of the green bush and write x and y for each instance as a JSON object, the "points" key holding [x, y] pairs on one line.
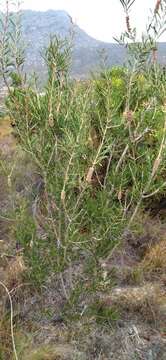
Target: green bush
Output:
{"points": [[99, 147]]}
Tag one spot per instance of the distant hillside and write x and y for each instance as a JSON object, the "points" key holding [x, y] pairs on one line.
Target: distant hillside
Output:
{"points": [[37, 27]]}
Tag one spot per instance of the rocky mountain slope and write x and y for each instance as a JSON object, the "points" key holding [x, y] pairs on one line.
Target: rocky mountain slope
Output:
{"points": [[37, 28], [86, 57]]}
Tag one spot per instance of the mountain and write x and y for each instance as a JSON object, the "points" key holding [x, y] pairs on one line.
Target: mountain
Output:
{"points": [[37, 28], [86, 55]]}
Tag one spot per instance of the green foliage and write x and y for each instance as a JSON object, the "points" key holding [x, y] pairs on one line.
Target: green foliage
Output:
{"points": [[110, 90], [100, 149], [11, 47], [96, 145], [57, 58], [34, 250], [99, 146], [104, 314]]}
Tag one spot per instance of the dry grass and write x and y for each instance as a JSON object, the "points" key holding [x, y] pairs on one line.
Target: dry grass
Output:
{"points": [[144, 301], [155, 258], [152, 266], [5, 339], [13, 272], [5, 127], [7, 140], [50, 352]]}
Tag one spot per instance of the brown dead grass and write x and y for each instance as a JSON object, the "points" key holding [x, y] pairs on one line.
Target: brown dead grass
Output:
{"points": [[144, 301], [7, 140], [48, 352], [5, 126], [14, 272], [5, 338], [155, 258], [152, 267]]}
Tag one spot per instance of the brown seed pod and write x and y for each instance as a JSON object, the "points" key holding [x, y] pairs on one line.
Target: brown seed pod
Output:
{"points": [[158, 3], [128, 23]]}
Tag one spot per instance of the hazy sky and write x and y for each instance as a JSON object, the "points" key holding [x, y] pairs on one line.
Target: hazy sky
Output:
{"points": [[101, 19]]}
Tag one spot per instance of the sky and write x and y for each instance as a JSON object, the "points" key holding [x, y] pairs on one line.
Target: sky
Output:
{"points": [[102, 19]]}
